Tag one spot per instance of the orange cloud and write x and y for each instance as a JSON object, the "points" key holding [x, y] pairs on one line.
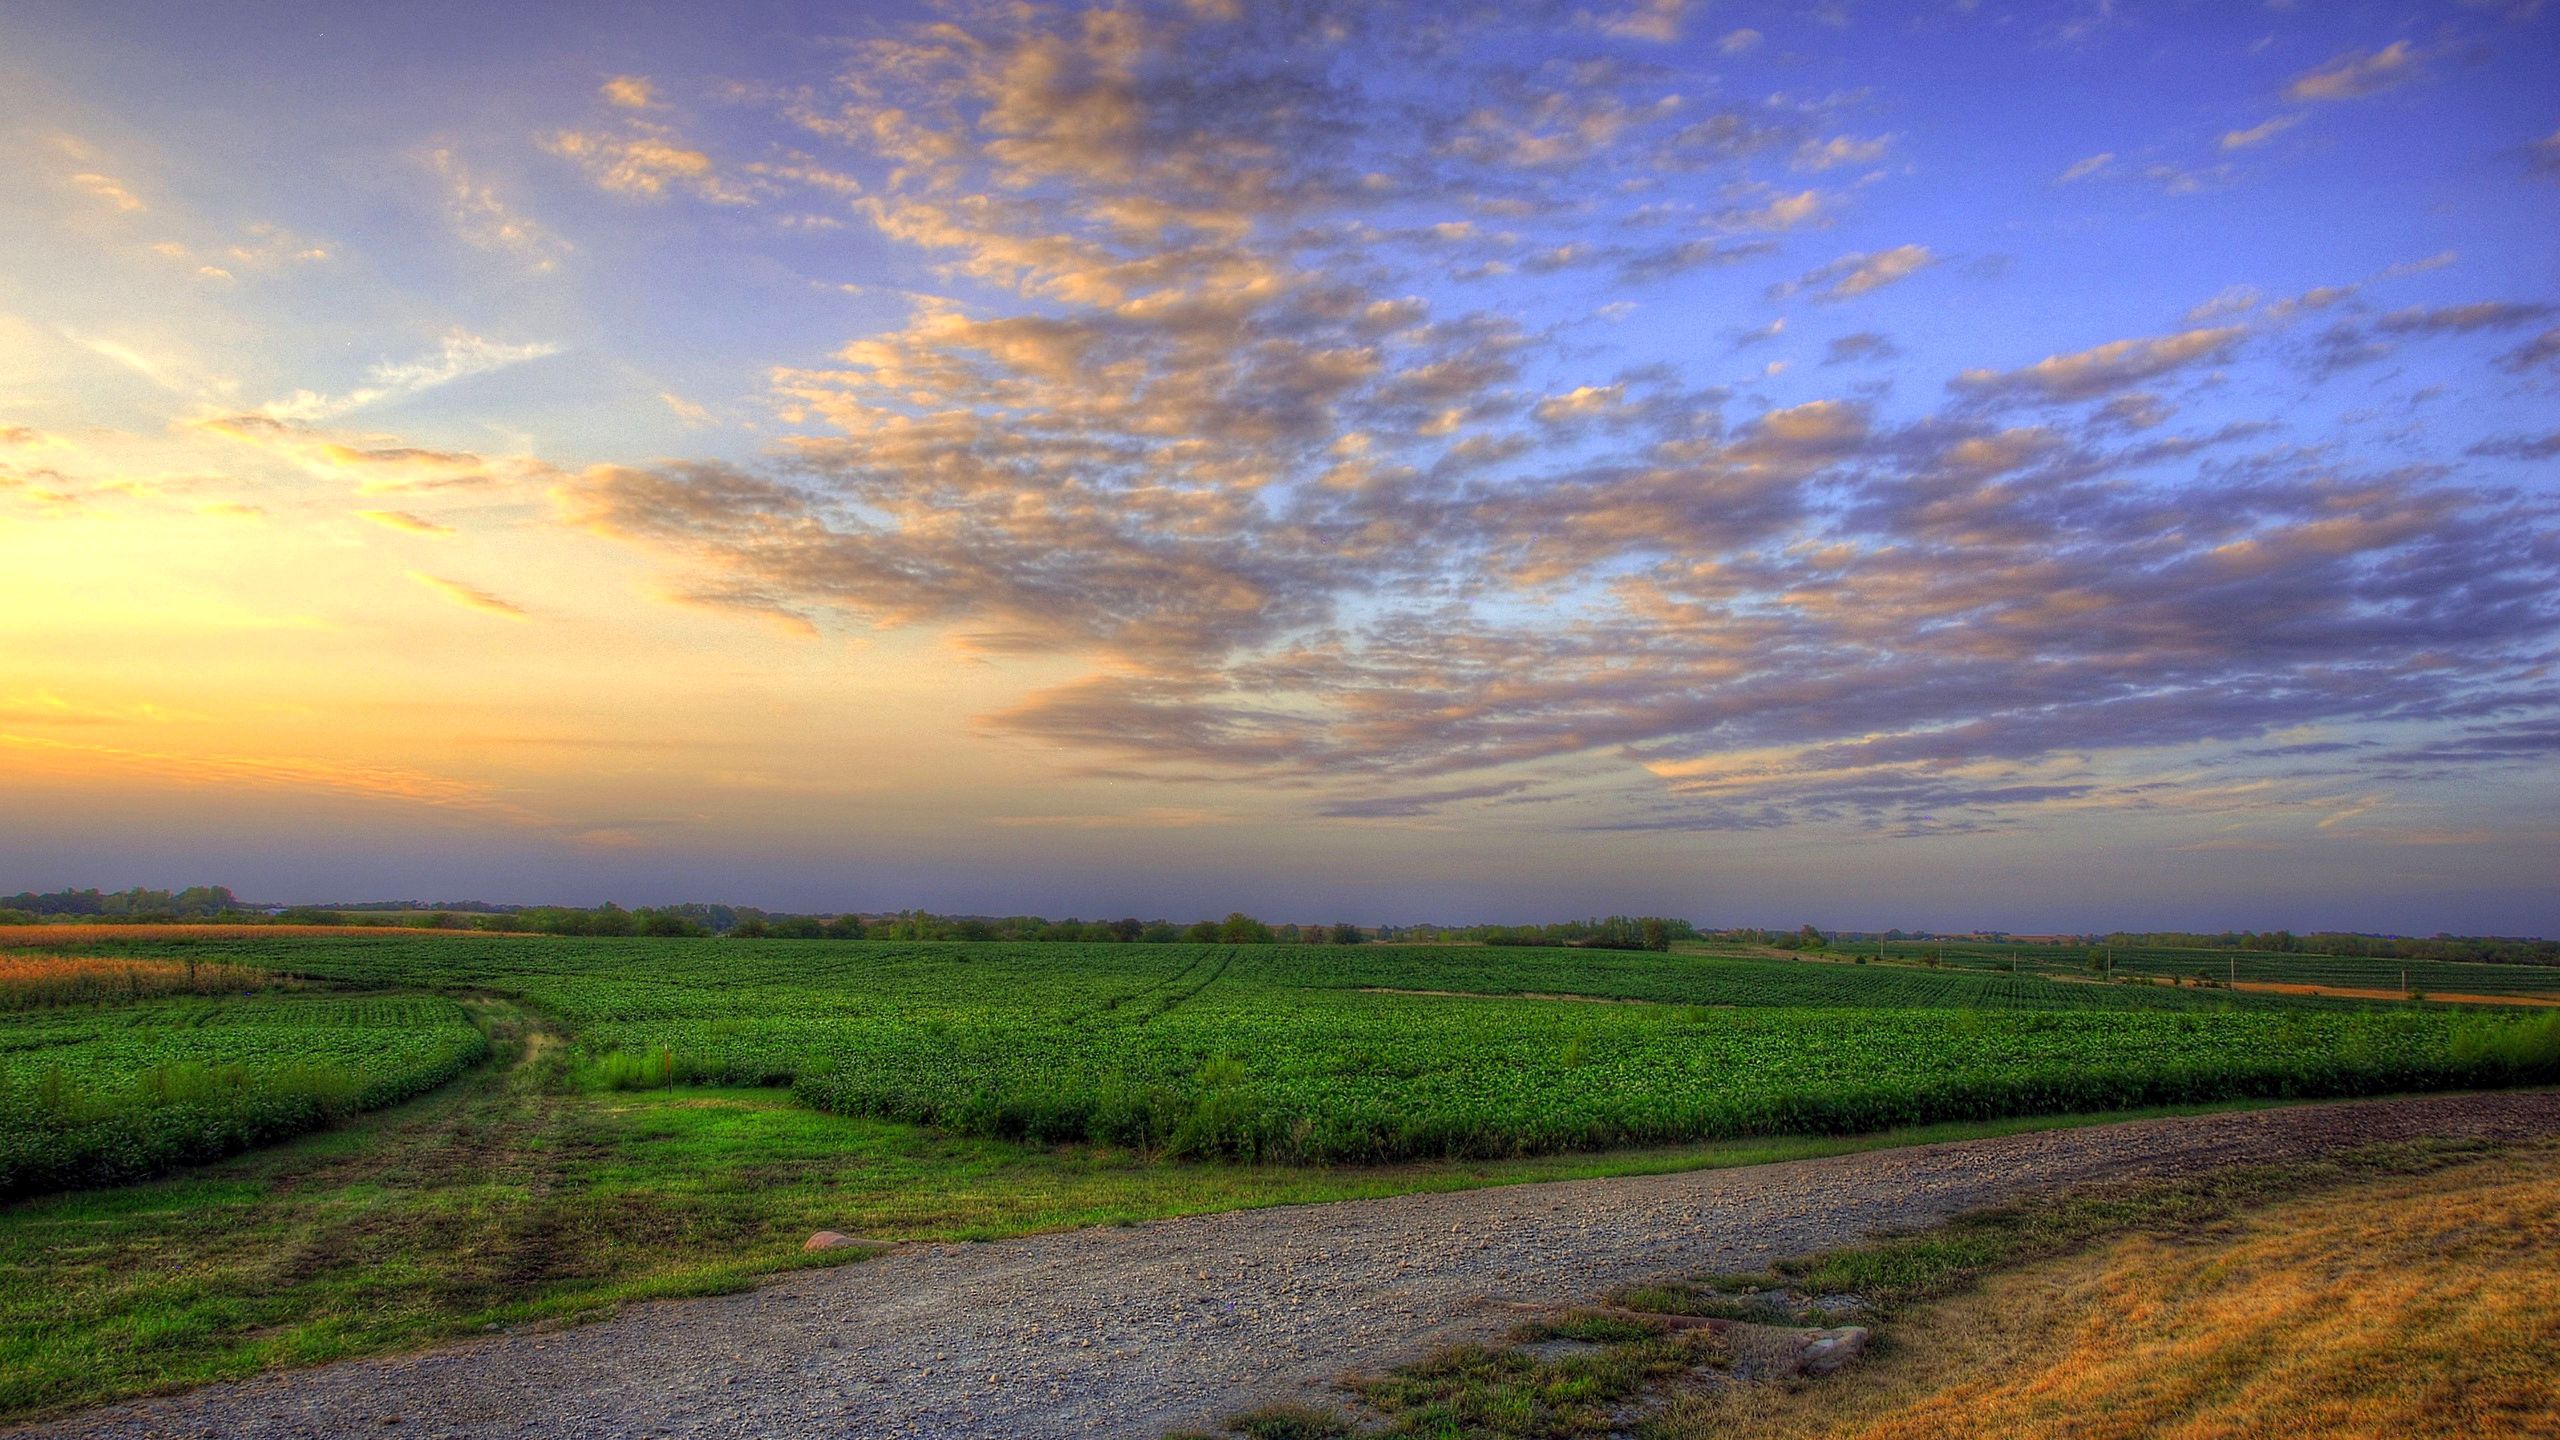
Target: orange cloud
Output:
{"points": [[75, 759], [403, 520], [471, 597]]}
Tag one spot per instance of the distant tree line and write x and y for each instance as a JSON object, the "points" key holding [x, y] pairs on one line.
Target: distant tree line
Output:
{"points": [[199, 902], [217, 903], [1617, 932], [1237, 929]]}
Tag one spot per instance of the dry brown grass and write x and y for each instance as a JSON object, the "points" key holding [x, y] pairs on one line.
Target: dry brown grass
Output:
{"points": [[2419, 1307], [38, 937], [28, 981]]}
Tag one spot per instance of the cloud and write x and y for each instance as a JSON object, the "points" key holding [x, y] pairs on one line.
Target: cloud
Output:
{"points": [[403, 520], [646, 161], [632, 92], [1860, 345], [2519, 447], [470, 597], [1739, 42], [2350, 343], [1412, 803], [2185, 180], [2463, 319], [1841, 150], [484, 220], [458, 356], [266, 772], [1857, 274], [2260, 133], [694, 416], [1190, 418], [2542, 352], [2086, 167], [2542, 157], [2353, 75], [1779, 212], [2101, 369], [2233, 300], [1770, 331], [374, 464], [1655, 20], [110, 190]]}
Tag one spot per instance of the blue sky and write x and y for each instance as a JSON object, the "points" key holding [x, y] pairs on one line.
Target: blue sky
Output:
{"points": [[2027, 465]]}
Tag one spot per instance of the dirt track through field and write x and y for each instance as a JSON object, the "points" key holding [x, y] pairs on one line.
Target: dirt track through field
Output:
{"points": [[1131, 1332]]}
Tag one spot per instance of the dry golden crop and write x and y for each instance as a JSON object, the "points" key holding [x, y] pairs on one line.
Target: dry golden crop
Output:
{"points": [[33, 937], [28, 981]]}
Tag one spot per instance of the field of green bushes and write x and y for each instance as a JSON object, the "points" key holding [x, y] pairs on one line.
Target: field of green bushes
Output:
{"points": [[1269, 1053], [97, 1093]]}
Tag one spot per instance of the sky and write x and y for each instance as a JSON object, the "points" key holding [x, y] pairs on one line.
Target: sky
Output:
{"points": [[2034, 466]]}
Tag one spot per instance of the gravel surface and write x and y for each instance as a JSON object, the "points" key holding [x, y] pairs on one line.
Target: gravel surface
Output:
{"points": [[1134, 1331]]}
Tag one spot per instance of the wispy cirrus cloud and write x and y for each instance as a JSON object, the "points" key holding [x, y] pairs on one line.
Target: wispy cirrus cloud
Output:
{"points": [[483, 219], [2357, 74], [458, 356], [405, 522]]}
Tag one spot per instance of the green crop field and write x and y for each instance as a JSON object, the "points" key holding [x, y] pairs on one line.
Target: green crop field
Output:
{"points": [[1299, 1053], [99, 1093]]}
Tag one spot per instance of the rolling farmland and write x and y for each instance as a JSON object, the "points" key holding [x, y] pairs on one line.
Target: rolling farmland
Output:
{"points": [[1286, 1053], [668, 1116]]}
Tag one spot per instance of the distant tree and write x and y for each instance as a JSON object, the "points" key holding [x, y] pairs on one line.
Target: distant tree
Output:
{"points": [[1242, 929], [1158, 932], [1656, 934], [309, 915], [667, 923], [752, 928], [1202, 932], [843, 927], [1346, 933], [609, 919]]}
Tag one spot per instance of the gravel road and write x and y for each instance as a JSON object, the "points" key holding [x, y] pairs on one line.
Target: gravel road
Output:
{"points": [[1130, 1332]]}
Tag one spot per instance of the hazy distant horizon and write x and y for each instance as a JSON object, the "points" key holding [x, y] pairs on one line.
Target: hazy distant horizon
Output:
{"points": [[1715, 920]]}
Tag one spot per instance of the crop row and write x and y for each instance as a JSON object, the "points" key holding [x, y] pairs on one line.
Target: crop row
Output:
{"points": [[93, 1097]]}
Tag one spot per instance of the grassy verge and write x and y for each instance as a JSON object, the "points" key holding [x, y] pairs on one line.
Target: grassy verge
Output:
{"points": [[2400, 1290], [523, 1193]]}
